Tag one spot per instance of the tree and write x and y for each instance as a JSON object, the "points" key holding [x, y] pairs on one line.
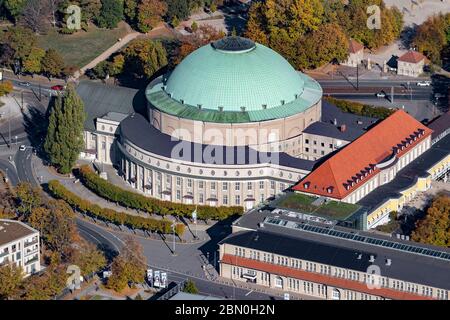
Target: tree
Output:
{"points": [[129, 10], [190, 287], [14, 8], [21, 40], [6, 87], [64, 140], [33, 63], [29, 198], [56, 222], [178, 8], [194, 26], [144, 57], [434, 228], [323, 46], [6, 54], [150, 13], [52, 63], [204, 35], [111, 13], [36, 14], [129, 266], [87, 257], [46, 285], [433, 36], [10, 279]]}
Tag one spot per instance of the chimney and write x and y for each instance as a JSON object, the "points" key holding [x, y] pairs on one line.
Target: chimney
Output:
{"points": [[343, 128], [335, 122], [359, 256], [388, 262], [372, 258]]}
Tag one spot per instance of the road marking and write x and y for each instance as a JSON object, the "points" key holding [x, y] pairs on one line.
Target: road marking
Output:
{"points": [[248, 293]]}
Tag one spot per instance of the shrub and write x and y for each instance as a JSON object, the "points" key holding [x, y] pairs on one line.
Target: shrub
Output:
{"points": [[110, 215], [134, 200], [360, 108]]}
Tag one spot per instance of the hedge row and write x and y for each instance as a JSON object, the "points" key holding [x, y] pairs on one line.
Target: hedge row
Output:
{"points": [[134, 200], [110, 215], [360, 108]]}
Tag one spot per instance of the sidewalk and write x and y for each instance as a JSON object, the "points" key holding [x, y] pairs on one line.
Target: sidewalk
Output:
{"points": [[44, 175]]}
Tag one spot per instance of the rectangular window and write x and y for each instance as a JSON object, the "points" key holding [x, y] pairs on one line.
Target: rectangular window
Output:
{"points": [[225, 199], [322, 144], [249, 186], [213, 186], [272, 184], [306, 149], [178, 194], [200, 184], [200, 197], [322, 152], [224, 186], [189, 183], [238, 200], [237, 186], [178, 181], [331, 146], [306, 141], [261, 184]]}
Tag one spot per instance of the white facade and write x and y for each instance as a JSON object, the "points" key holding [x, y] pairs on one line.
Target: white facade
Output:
{"points": [[23, 250]]}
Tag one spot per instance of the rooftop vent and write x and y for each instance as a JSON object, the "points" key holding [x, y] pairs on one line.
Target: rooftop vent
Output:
{"points": [[220, 108], [359, 256], [243, 109], [182, 101], [199, 106], [264, 106], [343, 128], [283, 102], [335, 121], [388, 262], [372, 258], [306, 185]]}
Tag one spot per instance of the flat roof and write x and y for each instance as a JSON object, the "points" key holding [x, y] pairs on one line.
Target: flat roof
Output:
{"points": [[341, 252], [11, 230], [317, 206], [140, 132], [101, 99]]}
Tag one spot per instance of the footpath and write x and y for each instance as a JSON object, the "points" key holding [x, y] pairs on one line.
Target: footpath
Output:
{"points": [[44, 174]]}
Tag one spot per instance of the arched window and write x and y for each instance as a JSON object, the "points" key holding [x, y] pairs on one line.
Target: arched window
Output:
{"points": [[336, 295]]}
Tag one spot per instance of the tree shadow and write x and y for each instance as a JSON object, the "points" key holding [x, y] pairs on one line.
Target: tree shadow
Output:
{"points": [[35, 124], [217, 233]]}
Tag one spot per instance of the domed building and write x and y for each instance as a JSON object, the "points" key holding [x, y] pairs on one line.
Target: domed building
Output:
{"points": [[223, 128]]}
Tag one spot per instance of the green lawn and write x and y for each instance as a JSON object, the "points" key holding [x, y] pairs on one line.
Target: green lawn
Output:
{"points": [[331, 209], [82, 47]]}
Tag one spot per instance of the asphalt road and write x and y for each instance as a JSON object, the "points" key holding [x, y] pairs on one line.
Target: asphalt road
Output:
{"points": [[9, 169], [24, 166]]}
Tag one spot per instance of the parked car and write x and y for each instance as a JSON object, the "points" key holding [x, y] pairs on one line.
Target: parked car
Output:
{"points": [[57, 87], [24, 84], [23, 147], [424, 83], [381, 95]]}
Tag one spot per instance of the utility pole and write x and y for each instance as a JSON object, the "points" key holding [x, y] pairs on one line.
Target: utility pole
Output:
{"points": [[21, 96], [40, 92]]}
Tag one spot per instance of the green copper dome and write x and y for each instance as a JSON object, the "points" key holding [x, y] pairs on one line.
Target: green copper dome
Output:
{"points": [[234, 74]]}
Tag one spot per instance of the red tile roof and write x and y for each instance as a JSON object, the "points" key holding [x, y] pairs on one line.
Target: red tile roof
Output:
{"points": [[412, 57], [350, 167], [354, 46], [319, 278]]}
